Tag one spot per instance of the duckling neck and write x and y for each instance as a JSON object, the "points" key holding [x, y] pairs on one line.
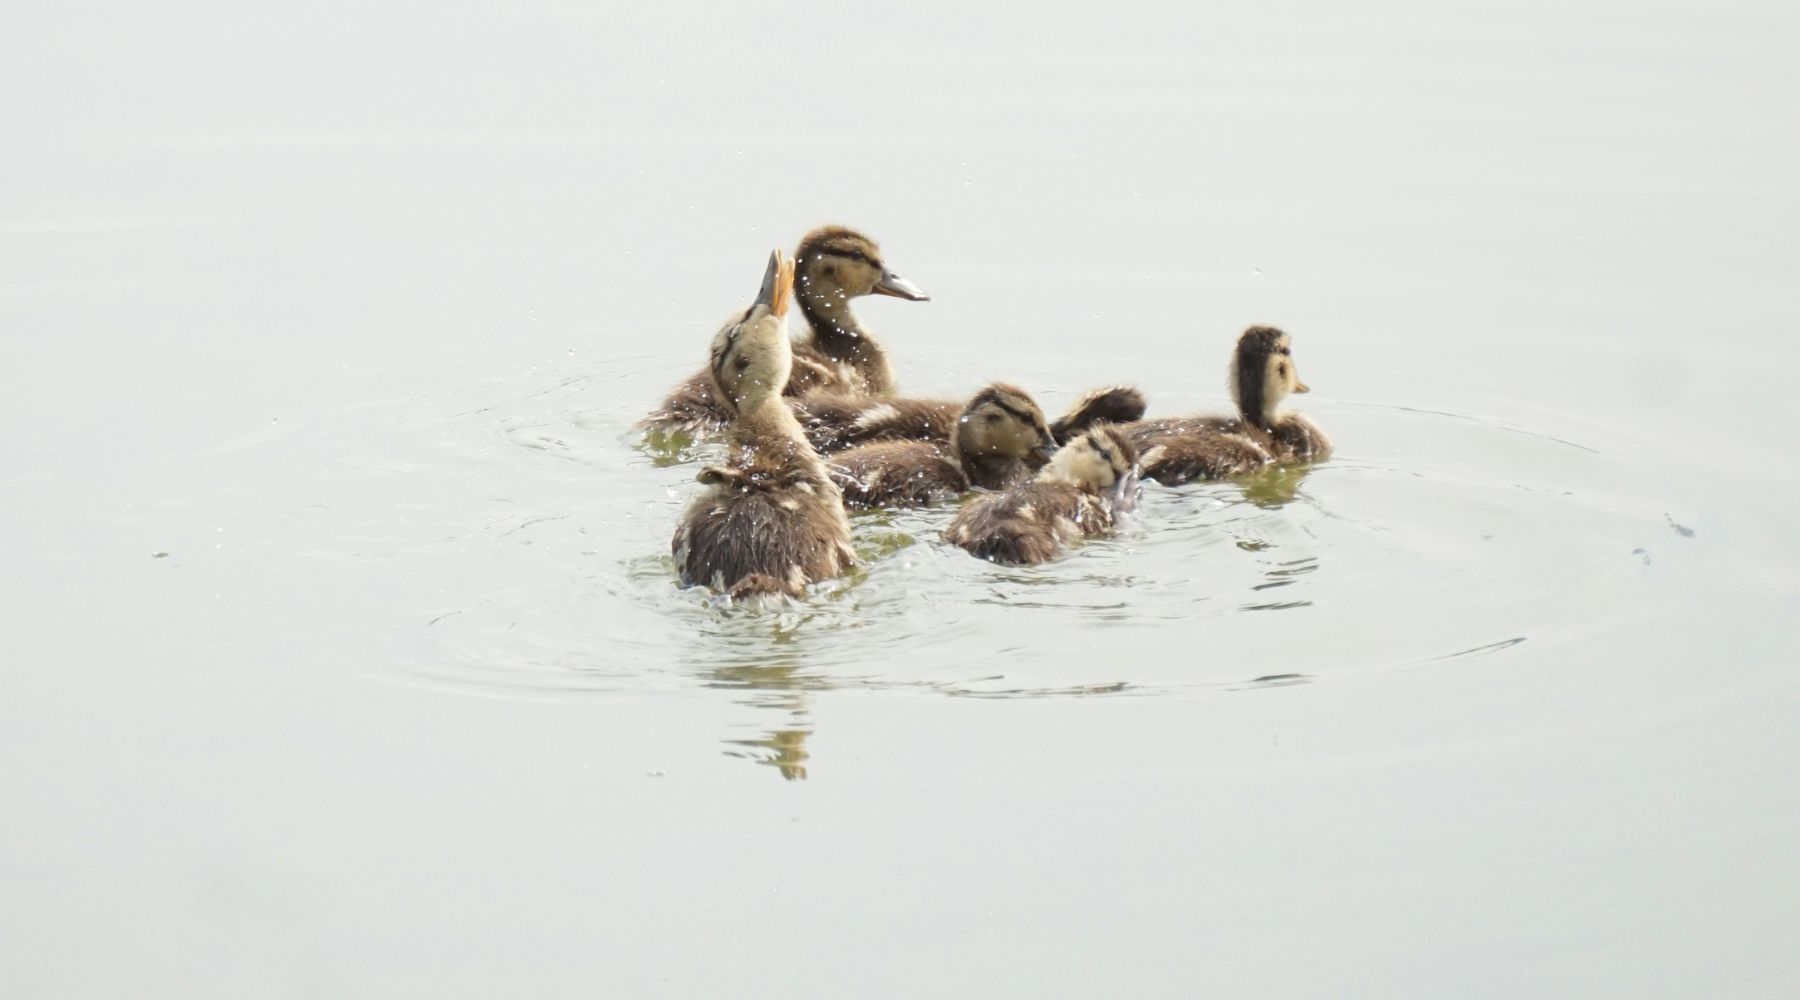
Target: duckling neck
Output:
{"points": [[1256, 410], [837, 334], [769, 427], [992, 472]]}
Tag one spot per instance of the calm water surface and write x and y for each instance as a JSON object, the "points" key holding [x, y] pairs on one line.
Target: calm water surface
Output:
{"points": [[347, 657]]}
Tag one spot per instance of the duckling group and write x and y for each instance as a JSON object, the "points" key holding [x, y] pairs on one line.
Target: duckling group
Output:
{"points": [[771, 517]]}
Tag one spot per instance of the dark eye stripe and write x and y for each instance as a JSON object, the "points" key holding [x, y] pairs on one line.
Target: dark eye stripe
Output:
{"points": [[728, 348], [849, 253], [1018, 414]]}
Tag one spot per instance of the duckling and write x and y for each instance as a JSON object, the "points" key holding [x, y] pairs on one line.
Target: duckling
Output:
{"points": [[770, 520], [1084, 489], [834, 421], [832, 266], [998, 439], [1179, 449]]}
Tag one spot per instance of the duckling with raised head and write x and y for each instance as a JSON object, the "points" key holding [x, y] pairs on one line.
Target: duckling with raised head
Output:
{"points": [[998, 439], [1217, 446], [832, 266], [834, 421], [770, 520], [1082, 492]]}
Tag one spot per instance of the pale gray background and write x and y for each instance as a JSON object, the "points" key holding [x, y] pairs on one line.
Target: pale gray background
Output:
{"points": [[348, 311]]}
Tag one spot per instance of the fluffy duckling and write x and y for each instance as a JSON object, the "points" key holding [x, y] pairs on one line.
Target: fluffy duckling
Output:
{"points": [[834, 421], [1179, 449], [832, 266], [770, 521], [1087, 485], [998, 439]]}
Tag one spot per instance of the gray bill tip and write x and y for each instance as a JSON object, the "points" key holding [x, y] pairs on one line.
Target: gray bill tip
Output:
{"points": [[900, 288]]}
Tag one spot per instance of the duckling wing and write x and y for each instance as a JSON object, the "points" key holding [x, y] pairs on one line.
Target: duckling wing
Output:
{"points": [[689, 408], [896, 474], [834, 422], [1025, 525], [1197, 453], [1299, 439], [812, 373]]}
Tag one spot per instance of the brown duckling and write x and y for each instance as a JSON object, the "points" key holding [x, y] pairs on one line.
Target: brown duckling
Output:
{"points": [[1089, 483], [770, 521], [832, 266], [998, 440], [1179, 449], [834, 421]]}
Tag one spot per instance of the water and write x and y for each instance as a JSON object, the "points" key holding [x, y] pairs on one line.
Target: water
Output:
{"points": [[347, 656]]}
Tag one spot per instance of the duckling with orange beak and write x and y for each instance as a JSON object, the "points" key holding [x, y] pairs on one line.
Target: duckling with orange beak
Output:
{"points": [[770, 521]]}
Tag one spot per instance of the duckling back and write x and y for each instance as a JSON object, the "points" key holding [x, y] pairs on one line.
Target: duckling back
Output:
{"points": [[1180, 450], [778, 520], [1027, 524], [896, 474]]}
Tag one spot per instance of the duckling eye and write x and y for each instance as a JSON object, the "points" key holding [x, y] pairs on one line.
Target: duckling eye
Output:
{"points": [[992, 418], [742, 363], [829, 270]]}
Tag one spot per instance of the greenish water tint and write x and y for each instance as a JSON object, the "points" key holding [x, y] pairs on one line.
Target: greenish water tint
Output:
{"points": [[347, 656]]}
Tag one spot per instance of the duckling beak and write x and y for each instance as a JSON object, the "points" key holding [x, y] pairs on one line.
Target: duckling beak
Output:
{"points": [[778, 281], [900, 288], [1300, 386], [1045, 450]]}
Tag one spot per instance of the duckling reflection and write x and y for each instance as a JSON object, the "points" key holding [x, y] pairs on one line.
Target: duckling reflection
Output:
{"points": [[1274, 486], [783, 687], [784, 749]]}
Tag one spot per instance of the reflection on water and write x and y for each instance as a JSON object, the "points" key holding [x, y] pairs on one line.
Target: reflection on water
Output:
{"points": [[665, 447], [1276, 486], [782, 688]]}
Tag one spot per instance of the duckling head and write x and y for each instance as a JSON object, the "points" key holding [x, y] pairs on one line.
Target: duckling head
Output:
{"points": [[1263, 374], [1100, 460], [751, 354], [1001, 421], [835, 264]]}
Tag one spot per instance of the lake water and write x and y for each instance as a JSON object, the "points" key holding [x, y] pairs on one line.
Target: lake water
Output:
{"points": [[347, 658]]}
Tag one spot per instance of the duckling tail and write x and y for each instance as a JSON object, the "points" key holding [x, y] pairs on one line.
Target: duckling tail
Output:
{"points": [[1119, 404], [756, 585]]}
